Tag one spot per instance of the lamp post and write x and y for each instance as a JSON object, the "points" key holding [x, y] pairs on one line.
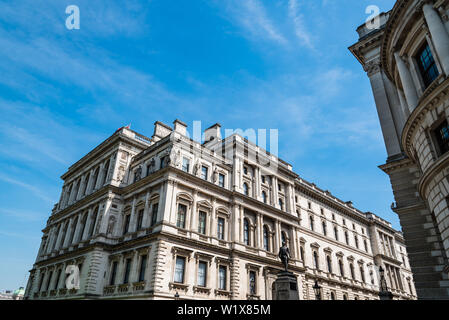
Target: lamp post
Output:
{"points": [[317, 289], [384, 294]]}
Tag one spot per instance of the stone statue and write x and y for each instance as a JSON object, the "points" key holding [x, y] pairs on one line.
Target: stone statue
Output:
{"points": [[284, 255]]}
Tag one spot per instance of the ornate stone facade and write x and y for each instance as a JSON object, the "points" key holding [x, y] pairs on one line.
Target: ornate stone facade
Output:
{"points": [[411, 87], [151, 218]]}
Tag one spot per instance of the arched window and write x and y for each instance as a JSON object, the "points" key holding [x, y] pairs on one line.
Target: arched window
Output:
{"points": [[345, 296], [351, 268], [329, 264], [266, 240], [315, 260], [264, 197], [83, 226], [95, 178], [281, 204], [72, 232], [311, 223], [324, 228], [246, 231], [245, 189], [340, 266], [332, 296]]}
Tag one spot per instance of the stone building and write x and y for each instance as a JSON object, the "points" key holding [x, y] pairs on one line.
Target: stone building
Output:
{"points": [[168, 216], [407, 62]]}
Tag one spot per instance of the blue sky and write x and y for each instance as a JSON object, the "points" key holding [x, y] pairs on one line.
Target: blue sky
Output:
{"points": [[273, 64]]}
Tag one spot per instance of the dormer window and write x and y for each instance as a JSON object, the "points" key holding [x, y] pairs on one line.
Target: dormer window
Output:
{"points": [[427, 66]]}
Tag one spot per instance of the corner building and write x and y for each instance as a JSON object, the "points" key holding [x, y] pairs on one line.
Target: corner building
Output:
{"points": [[407, 63], [148, 218]]}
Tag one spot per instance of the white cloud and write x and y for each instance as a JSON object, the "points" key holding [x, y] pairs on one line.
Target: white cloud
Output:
{"points": [[300, 31]]}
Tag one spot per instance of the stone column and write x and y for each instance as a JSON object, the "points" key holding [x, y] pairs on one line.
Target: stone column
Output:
{"points": [[132, 219], [67, 235], [274, 185], [99, 177], [213, 224], [257, 183], [277, 236], [439, 35], [234, 224], [241, 223], [259, 234], [146, 212], [81, 187], [194, 216], [407, 82]]}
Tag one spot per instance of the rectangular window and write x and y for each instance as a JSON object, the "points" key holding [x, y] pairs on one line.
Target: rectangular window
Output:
{"points": [[204, 173], [140, 219], [202, 270], [441, 134], [181, 219], [113, 273], [252, 282], [221, 180], [220, 228], [143, 266], [427, 66], [185, 164], [222, 277], [126, 224], [154, 214], [59, 277], [49, 280], [127, 271], [179, 269], [202, 222]]}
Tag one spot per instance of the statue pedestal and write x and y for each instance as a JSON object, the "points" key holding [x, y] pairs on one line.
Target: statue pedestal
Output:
{"points": [[286, 287]]}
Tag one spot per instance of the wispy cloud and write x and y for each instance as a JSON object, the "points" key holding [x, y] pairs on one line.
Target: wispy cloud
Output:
{"points": [[34, 189], [300, 31]]}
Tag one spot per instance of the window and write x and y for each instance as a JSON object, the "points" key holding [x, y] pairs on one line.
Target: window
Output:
{"points": [[127, 270], [72, 232], [351, 268], [346, 237], [441, 134], [309, 204], [202, 269], [333, 216], [283, 237], [329, 264], [93, 221], [324, 228], [113, 273], [57, 279], [185, 165], [427, 66], [311, 223], [340, 266], [336, 233], [322, 211], [266, 238], [264, 197], [181, 218], [252, 282], [221, 180], [332, 296], [220, 228], [279, 187], [365, 245], [245, 189], [315, 260], [202, 222], [246, 232], [143, 266], [154, 214], [49, 280], [140, 219], [245, 170], [179, 269], [301, 252], [163, 161], [263, 179], [356, 239], [222, 277], [204, 172], [281, 204], [344, 222], [126, 224], [362, 273]]}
